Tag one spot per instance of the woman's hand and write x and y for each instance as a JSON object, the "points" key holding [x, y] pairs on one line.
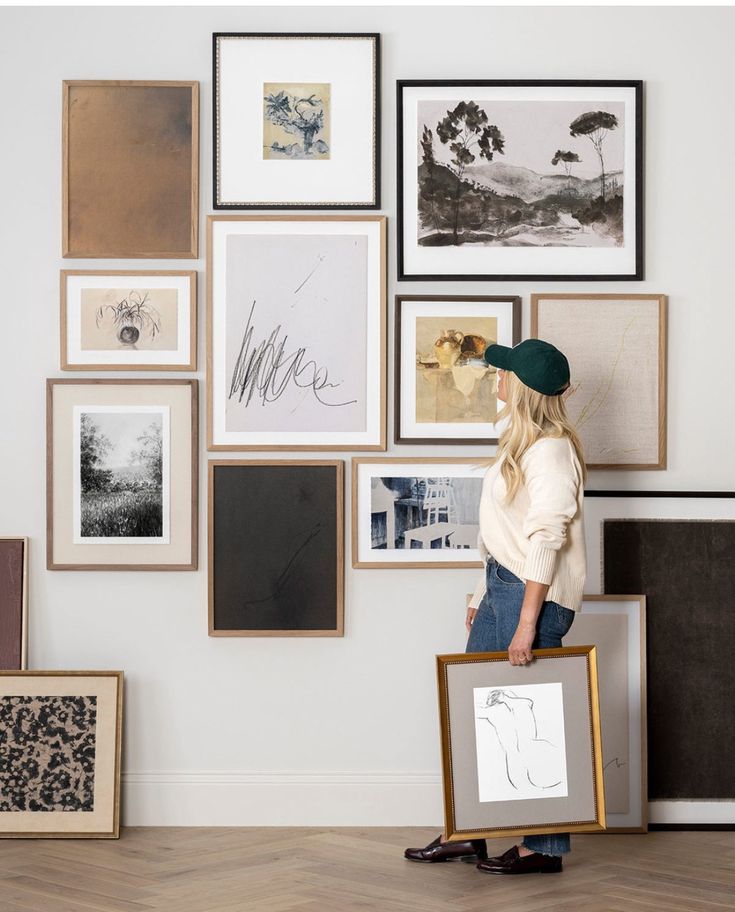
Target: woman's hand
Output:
{"points": [[471, 612], [519, 651]]}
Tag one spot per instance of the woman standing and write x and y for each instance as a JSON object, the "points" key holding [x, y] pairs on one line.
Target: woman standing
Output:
{"points": [[532, 540]]}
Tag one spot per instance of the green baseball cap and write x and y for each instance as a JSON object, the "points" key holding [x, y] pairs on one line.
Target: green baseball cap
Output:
{"points": [[536, 363]]}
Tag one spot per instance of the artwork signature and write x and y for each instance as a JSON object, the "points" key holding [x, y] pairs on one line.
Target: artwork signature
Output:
{"points": [[266, 370]]}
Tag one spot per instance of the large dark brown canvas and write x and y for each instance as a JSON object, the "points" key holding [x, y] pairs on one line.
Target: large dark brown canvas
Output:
{"points": [[12, 597], [130, 169]]}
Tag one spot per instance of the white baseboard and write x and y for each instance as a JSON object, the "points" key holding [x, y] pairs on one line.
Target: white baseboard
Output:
{"points": [[322, 798]]}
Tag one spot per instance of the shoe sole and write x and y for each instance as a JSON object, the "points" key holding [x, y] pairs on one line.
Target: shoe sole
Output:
{"points": [[467, 859], [518, 873]]}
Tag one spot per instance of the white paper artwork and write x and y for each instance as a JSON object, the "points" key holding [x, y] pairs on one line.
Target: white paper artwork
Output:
{"points": [[521, 750]]}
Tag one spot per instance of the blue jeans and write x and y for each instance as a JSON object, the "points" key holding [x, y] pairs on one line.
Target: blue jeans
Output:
{"points": [[492, 630]]}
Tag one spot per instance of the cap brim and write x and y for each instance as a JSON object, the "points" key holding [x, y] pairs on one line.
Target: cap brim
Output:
{"points": [[499, 356]]}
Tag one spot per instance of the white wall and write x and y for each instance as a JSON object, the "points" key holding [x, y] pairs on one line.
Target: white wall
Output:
{"points": [[336, 731]]}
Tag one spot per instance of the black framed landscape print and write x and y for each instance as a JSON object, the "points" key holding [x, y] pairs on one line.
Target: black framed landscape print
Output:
{"points": [[519, 180], [276, 547], [296, 120]]}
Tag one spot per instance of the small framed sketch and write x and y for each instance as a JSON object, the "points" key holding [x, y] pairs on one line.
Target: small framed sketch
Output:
{"points": [[131, 169], [296, 121], [444, 389], [521, 747], [122, 474], [610, 339], [416, 513], [616, 626], [296, 332], [518, 180], [276, 548], [61, 737], [13, 603], [128, 320]]}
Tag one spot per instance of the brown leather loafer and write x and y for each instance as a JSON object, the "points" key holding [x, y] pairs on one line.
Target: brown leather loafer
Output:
{"points": [[448, 851], [511, 862]]}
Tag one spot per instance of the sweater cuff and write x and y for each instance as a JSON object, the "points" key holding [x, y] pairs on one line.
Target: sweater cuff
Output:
{"points": [[540, 564]]}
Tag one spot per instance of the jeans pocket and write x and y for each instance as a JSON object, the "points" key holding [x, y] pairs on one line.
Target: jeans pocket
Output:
{"points": [[565, 619], [506, 577]]}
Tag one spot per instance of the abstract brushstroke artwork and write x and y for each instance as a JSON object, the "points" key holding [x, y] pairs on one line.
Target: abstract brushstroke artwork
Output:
{"points": [[610, 339], [509, 175], [520, 745], [296, 121], [131, 169], [297, 315], [275, 546]]}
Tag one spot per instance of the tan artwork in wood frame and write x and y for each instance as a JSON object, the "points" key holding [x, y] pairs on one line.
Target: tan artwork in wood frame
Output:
{"points": [[275, 536], [291, 365], [62, 782], [122, 474], [416, 513], [130, 180], [128, 320], [14, 602], [521, 745], [616, 346]]}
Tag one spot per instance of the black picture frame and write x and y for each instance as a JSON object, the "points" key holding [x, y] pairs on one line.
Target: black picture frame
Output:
{"points": [[217, 204], [635, 84], [514, 300], [276, 547]]}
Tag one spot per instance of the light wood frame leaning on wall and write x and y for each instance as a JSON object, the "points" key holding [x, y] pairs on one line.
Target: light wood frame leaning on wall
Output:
{"points": [[69, 366]]}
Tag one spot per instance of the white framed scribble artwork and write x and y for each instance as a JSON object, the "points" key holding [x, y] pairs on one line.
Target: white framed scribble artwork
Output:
{"points": [[520, 179], [296, 313], [616, 346]]}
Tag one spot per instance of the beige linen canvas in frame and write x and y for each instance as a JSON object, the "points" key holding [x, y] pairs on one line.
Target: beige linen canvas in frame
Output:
{"points": [[180, 398], [158, 306], [616, 346], [130, 169], [104, 819]]}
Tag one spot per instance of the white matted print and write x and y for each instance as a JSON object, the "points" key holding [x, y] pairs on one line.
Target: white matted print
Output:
{"points": [[520, 743], [421, 513], [122, 477], [297, 317], [523, 179], [128, 320], [296, 121], [616, 346], [446, 391]]}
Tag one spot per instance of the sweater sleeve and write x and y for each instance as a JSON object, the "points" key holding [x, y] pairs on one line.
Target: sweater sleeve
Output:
{"points": [[552, 483]]}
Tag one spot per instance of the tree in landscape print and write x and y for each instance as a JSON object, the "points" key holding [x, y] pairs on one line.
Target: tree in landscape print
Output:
{"points": [[93, 447], [595, 125], [567, 159]]}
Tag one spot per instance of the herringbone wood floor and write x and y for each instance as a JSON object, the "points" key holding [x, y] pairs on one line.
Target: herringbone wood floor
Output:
{"points": [[341, 870]]}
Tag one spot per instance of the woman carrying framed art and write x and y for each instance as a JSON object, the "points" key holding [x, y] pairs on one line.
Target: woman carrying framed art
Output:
{"points": [[532, 541]]}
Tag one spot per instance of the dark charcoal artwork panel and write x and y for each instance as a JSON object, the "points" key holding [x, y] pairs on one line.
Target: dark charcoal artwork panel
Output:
{"points": [[11, 603], [275, 547], [686, 570], [47, 753]]}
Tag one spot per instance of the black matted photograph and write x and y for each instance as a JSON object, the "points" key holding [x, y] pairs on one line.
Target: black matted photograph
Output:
{"points": [[276, 548]]}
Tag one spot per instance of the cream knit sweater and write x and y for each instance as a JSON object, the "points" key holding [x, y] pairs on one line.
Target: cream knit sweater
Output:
{"points": [[539, 535]]}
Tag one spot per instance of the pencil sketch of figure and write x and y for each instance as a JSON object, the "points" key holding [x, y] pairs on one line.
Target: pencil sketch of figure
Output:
{"points": [[525, 756]]}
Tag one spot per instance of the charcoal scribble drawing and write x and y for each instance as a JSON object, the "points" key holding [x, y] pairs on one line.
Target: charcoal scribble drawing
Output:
{"points": [[121, 474], [521, 749], [489, 175], [293, 554], [293, 112], [296, 322]]}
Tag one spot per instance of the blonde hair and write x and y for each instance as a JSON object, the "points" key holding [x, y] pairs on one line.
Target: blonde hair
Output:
{"points": [[532, 416]]}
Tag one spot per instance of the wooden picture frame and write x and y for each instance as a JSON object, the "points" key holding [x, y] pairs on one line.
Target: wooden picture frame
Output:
{"points": [[485, 794], [473, 241], [313, 540], [97, 702], [91, 280], [507, 317], [602, 331], [14, 556], [266, 368], [117, 176], [159, 510], [364, 469], [621, 669], [345, 65]]}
